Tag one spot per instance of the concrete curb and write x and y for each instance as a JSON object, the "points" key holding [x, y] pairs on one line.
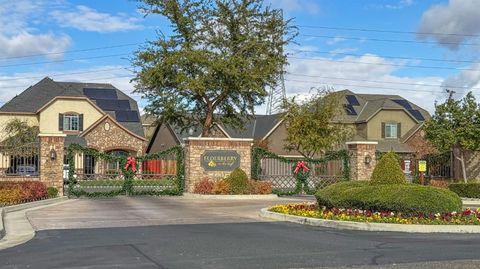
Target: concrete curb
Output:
{"points": [[372, 227], [16, 228], [231, 197]]}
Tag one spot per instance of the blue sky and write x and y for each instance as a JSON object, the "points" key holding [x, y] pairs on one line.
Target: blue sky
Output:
{"points": [[411, 48]]}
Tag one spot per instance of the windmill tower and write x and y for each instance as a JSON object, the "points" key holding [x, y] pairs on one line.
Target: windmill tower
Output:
{"points": [[276, 96]]}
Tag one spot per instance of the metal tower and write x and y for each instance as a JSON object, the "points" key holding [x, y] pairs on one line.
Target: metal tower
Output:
{"points": [[276, 97]]}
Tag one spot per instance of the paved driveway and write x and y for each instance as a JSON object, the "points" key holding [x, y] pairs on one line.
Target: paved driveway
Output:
{"points": [[145, 211]]}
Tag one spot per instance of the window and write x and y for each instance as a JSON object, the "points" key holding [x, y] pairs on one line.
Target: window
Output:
{"points": [[390, 130], [71, 123]]}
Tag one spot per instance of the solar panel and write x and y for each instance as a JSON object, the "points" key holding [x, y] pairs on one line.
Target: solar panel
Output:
{"points": [[112, 104], [127, 116], [350, 110], [416, 114], [352, 100], [404, 103], [94, 93]]}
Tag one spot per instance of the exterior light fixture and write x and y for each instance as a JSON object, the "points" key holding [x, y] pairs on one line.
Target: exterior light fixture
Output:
{"points": [[368, 159], [53, 154]]}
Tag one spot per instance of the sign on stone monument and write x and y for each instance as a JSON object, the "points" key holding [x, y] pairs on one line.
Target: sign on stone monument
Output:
{"points": [[220, 160]]}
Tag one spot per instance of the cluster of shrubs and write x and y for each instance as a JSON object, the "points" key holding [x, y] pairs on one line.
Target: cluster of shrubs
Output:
{"points": [[468, 190], [236, 183], [388, 190], [26, 191]]}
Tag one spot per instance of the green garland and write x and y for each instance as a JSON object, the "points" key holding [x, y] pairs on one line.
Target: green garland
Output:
{"points": [[128, 186], [259, 153]]}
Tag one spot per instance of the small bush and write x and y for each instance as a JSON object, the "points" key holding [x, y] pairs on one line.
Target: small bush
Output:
{"points": [[52, 192], [467, 190], [261, 187], [238, 181], [439, 183], [404, 198], [388, 171], [221, 187], [19, 192], [204, 186]]}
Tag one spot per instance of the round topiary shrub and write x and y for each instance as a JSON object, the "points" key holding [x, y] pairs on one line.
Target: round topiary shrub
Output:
{"points": [[388, 171], [404, 198], [238, 181]]}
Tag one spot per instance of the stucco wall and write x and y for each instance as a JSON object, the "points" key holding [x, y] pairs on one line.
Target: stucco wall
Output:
{"points": [[5, 118], [163, 140], [374, 126], [49, 116]]}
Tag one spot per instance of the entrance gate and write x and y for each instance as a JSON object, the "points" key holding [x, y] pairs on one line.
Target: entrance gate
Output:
{"points": [[95, 174]]}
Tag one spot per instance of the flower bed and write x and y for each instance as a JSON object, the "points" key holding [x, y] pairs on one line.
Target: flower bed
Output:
{"points": [[466, 217], [12, 193]]}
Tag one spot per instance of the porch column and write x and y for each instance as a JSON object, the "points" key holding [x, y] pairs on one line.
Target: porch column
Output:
{"points": [[51, 160], [362, 159]]}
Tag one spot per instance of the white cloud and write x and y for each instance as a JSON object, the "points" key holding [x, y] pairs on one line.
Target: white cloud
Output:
{"points": [[376, 78], [18, 35], [88, 19], [309, 6], [468, 79], [335, 40], [458, 18], [400, 4]]}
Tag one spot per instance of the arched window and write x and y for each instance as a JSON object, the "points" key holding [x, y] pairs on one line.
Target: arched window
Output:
{"points": [[114, 167]]}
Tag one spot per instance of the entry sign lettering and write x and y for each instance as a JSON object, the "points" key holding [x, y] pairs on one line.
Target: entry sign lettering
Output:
{"points": [[220, 160], [422, 166]]}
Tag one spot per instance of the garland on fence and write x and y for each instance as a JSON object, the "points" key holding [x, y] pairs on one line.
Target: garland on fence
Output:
{"points": [[127, 172], [259, 153]]}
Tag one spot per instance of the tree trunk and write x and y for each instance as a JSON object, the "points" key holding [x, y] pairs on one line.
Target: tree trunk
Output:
{"points": [[462, 163], [208, 121]]}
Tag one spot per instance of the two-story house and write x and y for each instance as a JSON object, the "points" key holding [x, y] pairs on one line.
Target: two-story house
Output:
{"points": [[97, 116]]}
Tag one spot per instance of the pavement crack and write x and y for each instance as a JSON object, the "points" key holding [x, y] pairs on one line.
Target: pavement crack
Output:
{"points": [[147, 257]]}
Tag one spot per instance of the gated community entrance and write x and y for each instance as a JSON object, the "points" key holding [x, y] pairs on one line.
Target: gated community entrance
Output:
{"points": [[81, 171]]}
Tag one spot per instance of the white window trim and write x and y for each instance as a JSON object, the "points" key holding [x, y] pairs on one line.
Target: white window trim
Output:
{"points": [[67, 122]]}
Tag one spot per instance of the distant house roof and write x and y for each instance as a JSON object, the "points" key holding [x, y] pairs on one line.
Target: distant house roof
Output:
{"points": [[110, 99], [362, 107]]}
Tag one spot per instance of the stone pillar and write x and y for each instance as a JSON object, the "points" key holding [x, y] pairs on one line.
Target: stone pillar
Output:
{"points": [[362, 159], [215, 158], [51, 171]]}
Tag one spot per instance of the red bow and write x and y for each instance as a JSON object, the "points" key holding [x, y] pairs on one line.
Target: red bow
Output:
{"points": [[301, 164], [131, 162]]}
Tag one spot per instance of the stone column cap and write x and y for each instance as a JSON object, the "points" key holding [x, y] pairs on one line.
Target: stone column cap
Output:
{"points": [[362, 143], [50, 135]]}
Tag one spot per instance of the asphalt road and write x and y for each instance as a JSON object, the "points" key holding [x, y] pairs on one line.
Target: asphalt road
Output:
{"points": [[239, 245]]}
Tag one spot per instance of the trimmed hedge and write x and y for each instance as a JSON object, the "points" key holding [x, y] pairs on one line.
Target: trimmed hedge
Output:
{"points": [[468, 190], [238, 181], [19, 192], [404, 198], [388, 171]]}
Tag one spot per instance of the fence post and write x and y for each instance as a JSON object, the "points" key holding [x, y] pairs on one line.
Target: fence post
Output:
{"points": [[51, 160], [362, 159]]}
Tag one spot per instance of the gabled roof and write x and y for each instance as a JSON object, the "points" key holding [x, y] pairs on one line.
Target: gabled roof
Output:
{"points": [[40, 94], [368, 105]]}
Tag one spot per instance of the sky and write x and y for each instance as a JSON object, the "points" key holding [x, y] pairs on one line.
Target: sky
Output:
{"points": [[413, 48]]}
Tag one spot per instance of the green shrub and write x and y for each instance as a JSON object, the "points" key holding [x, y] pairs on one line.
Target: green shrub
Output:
{"points": [[19, 192], [238, 181], [388, 171], [404, 198], [468, 190], [52, 192]]}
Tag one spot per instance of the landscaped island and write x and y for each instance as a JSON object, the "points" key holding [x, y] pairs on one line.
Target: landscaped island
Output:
{"points": [[386, 198]]}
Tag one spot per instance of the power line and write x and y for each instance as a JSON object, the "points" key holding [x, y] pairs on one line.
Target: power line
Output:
{"points": [[387, 64], [386, 82], [64, 74], [391, 40], [67, 60], [385, 56], [384, 31], [71, 51]]}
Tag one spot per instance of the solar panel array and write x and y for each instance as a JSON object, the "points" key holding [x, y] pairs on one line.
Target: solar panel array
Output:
{"points": [[107, 100], [352, 101], [414, 112]]}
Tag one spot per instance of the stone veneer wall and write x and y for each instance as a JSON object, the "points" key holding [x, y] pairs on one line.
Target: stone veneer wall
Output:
{"points": [[114, 138], [359, 170], [51, 171], [195, 147]]}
